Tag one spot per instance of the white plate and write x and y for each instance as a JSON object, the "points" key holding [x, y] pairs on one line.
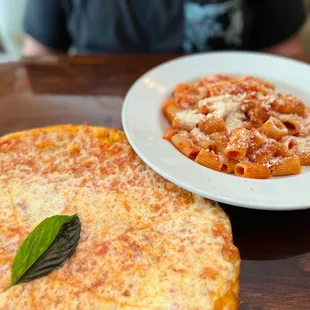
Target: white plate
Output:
{"points": [[144, 126]]}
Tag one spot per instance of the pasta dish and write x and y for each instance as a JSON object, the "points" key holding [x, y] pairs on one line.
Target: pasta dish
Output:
{"points": [[239, 125]]}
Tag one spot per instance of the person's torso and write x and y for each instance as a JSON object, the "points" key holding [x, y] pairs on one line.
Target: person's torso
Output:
{"points": [[111, 26]]}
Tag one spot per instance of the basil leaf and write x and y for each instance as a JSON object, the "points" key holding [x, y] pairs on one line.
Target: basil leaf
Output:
{"points": [[47, 247]]}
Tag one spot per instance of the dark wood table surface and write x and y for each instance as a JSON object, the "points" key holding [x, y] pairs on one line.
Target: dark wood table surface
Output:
{"points": [[274, 246]]}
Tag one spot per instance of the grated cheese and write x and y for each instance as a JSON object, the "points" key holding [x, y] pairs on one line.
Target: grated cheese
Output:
{"points": [[303, 144], [275, 161], [189, 117], [244, 140], [226, 107], [304, 125], [267, 101], [199, 136]]}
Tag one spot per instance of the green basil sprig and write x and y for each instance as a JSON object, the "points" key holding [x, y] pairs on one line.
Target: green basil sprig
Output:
{"points": [[46, 248]]}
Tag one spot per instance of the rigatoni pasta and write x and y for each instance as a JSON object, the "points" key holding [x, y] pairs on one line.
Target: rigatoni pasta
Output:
{"points": [[274, 128], [229, 165], [211, 125], [170, 109], [286, 166], [185, 146], [239, 125], [304, 158], [250, 170], [209, 159], [238, 144]]}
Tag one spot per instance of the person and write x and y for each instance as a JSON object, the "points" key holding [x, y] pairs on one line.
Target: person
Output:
{"points": [[162, 26]]}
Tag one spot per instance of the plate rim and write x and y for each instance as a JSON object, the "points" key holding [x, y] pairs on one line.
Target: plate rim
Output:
{"points": [[163, 173]]}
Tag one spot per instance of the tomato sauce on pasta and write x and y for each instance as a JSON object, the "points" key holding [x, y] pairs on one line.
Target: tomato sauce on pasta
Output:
{"points": [[239, 125]]}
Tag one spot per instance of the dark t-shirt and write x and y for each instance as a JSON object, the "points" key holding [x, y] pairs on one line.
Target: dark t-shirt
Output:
{"points": [[111, 26]]}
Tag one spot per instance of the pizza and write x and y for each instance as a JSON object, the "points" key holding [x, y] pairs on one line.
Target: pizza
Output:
{"points": [[145, 243]]}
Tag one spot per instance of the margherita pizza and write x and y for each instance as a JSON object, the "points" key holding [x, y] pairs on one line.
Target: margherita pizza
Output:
{"points": [[145, 243]]}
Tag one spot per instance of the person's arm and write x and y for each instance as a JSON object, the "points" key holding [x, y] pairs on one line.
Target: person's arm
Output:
{"points": [[292, 46], [276, 26], [32, 47], [45, 27]]}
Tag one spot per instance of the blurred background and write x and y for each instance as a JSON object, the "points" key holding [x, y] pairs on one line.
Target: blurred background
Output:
{"points": [[11, 33]]}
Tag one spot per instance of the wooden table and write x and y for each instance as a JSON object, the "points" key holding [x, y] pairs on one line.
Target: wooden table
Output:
{"points": [[275, 246]]}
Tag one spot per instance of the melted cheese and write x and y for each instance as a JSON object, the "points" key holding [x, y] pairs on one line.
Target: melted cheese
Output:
{"points": [[145, 243], [226, 107]]}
